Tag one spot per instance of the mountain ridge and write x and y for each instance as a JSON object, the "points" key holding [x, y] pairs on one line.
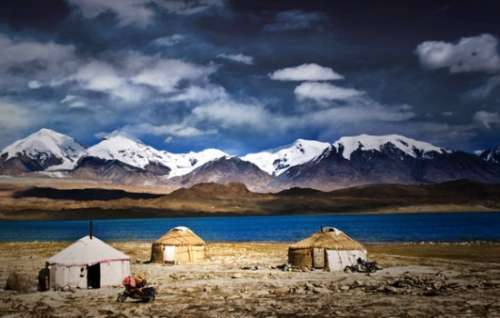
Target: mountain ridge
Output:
{"points": [[349, 161]]}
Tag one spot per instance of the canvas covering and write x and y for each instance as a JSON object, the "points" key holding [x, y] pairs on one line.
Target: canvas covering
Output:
{"points": [[68, 268], [87, 251]]}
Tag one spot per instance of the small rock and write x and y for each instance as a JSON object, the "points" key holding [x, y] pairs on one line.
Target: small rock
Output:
{"points": [[320, 290], [344, 288], [18, 283], [391, 290], [236, 275], [282, 290]]}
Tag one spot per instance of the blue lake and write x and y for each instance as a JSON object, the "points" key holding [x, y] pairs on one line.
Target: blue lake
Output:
{"points": [[366, 228]]}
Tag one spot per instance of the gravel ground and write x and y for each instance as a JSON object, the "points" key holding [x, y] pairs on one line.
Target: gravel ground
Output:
{"points": [[241, 280]]}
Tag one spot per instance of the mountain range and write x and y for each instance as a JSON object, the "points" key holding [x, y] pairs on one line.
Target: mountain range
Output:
{"points": [[349, 161]]}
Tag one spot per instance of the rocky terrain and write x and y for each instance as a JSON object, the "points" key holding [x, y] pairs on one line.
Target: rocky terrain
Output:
{"points": [[244, 280]]}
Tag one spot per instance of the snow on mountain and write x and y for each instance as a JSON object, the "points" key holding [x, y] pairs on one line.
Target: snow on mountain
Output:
{"points": [[126, 150], [277, 161], [135, 153], [411, 147], [45, 145], [490, 155], [184, 163]]}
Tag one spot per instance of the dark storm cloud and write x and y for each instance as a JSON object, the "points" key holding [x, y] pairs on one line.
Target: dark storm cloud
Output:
{"points": [[33, 14], [294, 20], [244, 76]]}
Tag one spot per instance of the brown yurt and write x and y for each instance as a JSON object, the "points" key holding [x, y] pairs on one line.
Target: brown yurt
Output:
{"points": [[329, 249], [180, 245]]}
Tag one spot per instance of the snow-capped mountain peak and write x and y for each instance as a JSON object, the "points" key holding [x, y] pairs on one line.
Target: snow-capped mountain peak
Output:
{"points": [[46, 145], [184, 163], [276, 161], [135, 153], [409, 146], [126, 150]]}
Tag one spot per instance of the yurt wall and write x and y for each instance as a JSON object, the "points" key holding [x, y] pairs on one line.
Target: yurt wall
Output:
{"points": [[72, 276], [300, 257], [157, 253], [189, 254], [112, 273]]}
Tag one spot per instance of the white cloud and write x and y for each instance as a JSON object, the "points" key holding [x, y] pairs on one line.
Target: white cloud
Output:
{"points": [[305, 72], [322, 92], [188, 7], [471, 54], [98, 76], [128, 12], [177, 130], [487, 119], [14, 119], [103, 77], [34, 62], [34, 84], [240, 58], [231, 114], [73, 101], [16, 53], [362, 113], [200, 94], [166, 74], [134, 77], [169, 40], [13, 116]]}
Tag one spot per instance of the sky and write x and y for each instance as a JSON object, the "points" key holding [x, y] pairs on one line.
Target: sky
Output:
{"points": [[244, 76]]}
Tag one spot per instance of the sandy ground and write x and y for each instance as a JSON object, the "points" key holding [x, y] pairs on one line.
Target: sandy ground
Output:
{"points": [[239, 280]]}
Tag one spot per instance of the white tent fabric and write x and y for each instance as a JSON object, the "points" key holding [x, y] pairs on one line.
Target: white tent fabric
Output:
{"points": [[87, 251], [70, 266], [338, 260]]}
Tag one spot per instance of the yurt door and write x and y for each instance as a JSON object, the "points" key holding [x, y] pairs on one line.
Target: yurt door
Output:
{"points": [[318, 257], [94, 276], [169, 254]]}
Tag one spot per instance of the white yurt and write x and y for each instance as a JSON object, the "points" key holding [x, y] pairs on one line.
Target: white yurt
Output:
{"points": [[88, 263]]}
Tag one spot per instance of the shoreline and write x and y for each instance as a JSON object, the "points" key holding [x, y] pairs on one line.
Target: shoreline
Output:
{"points": [[146, 213], [365, 243]]}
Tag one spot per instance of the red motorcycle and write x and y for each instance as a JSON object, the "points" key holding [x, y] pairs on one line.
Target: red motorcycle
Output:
{"points": [[145, 294], [136, 288]]}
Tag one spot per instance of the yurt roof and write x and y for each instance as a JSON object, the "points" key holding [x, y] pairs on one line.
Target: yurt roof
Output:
{"points": [[331, 239], [180, 235], [87, 251]]}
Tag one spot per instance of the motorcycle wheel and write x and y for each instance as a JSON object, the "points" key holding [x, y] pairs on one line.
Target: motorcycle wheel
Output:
{"points": [[121, 298]]}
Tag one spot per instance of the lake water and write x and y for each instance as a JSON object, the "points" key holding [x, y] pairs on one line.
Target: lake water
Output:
{"points": [[449, 227]]}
